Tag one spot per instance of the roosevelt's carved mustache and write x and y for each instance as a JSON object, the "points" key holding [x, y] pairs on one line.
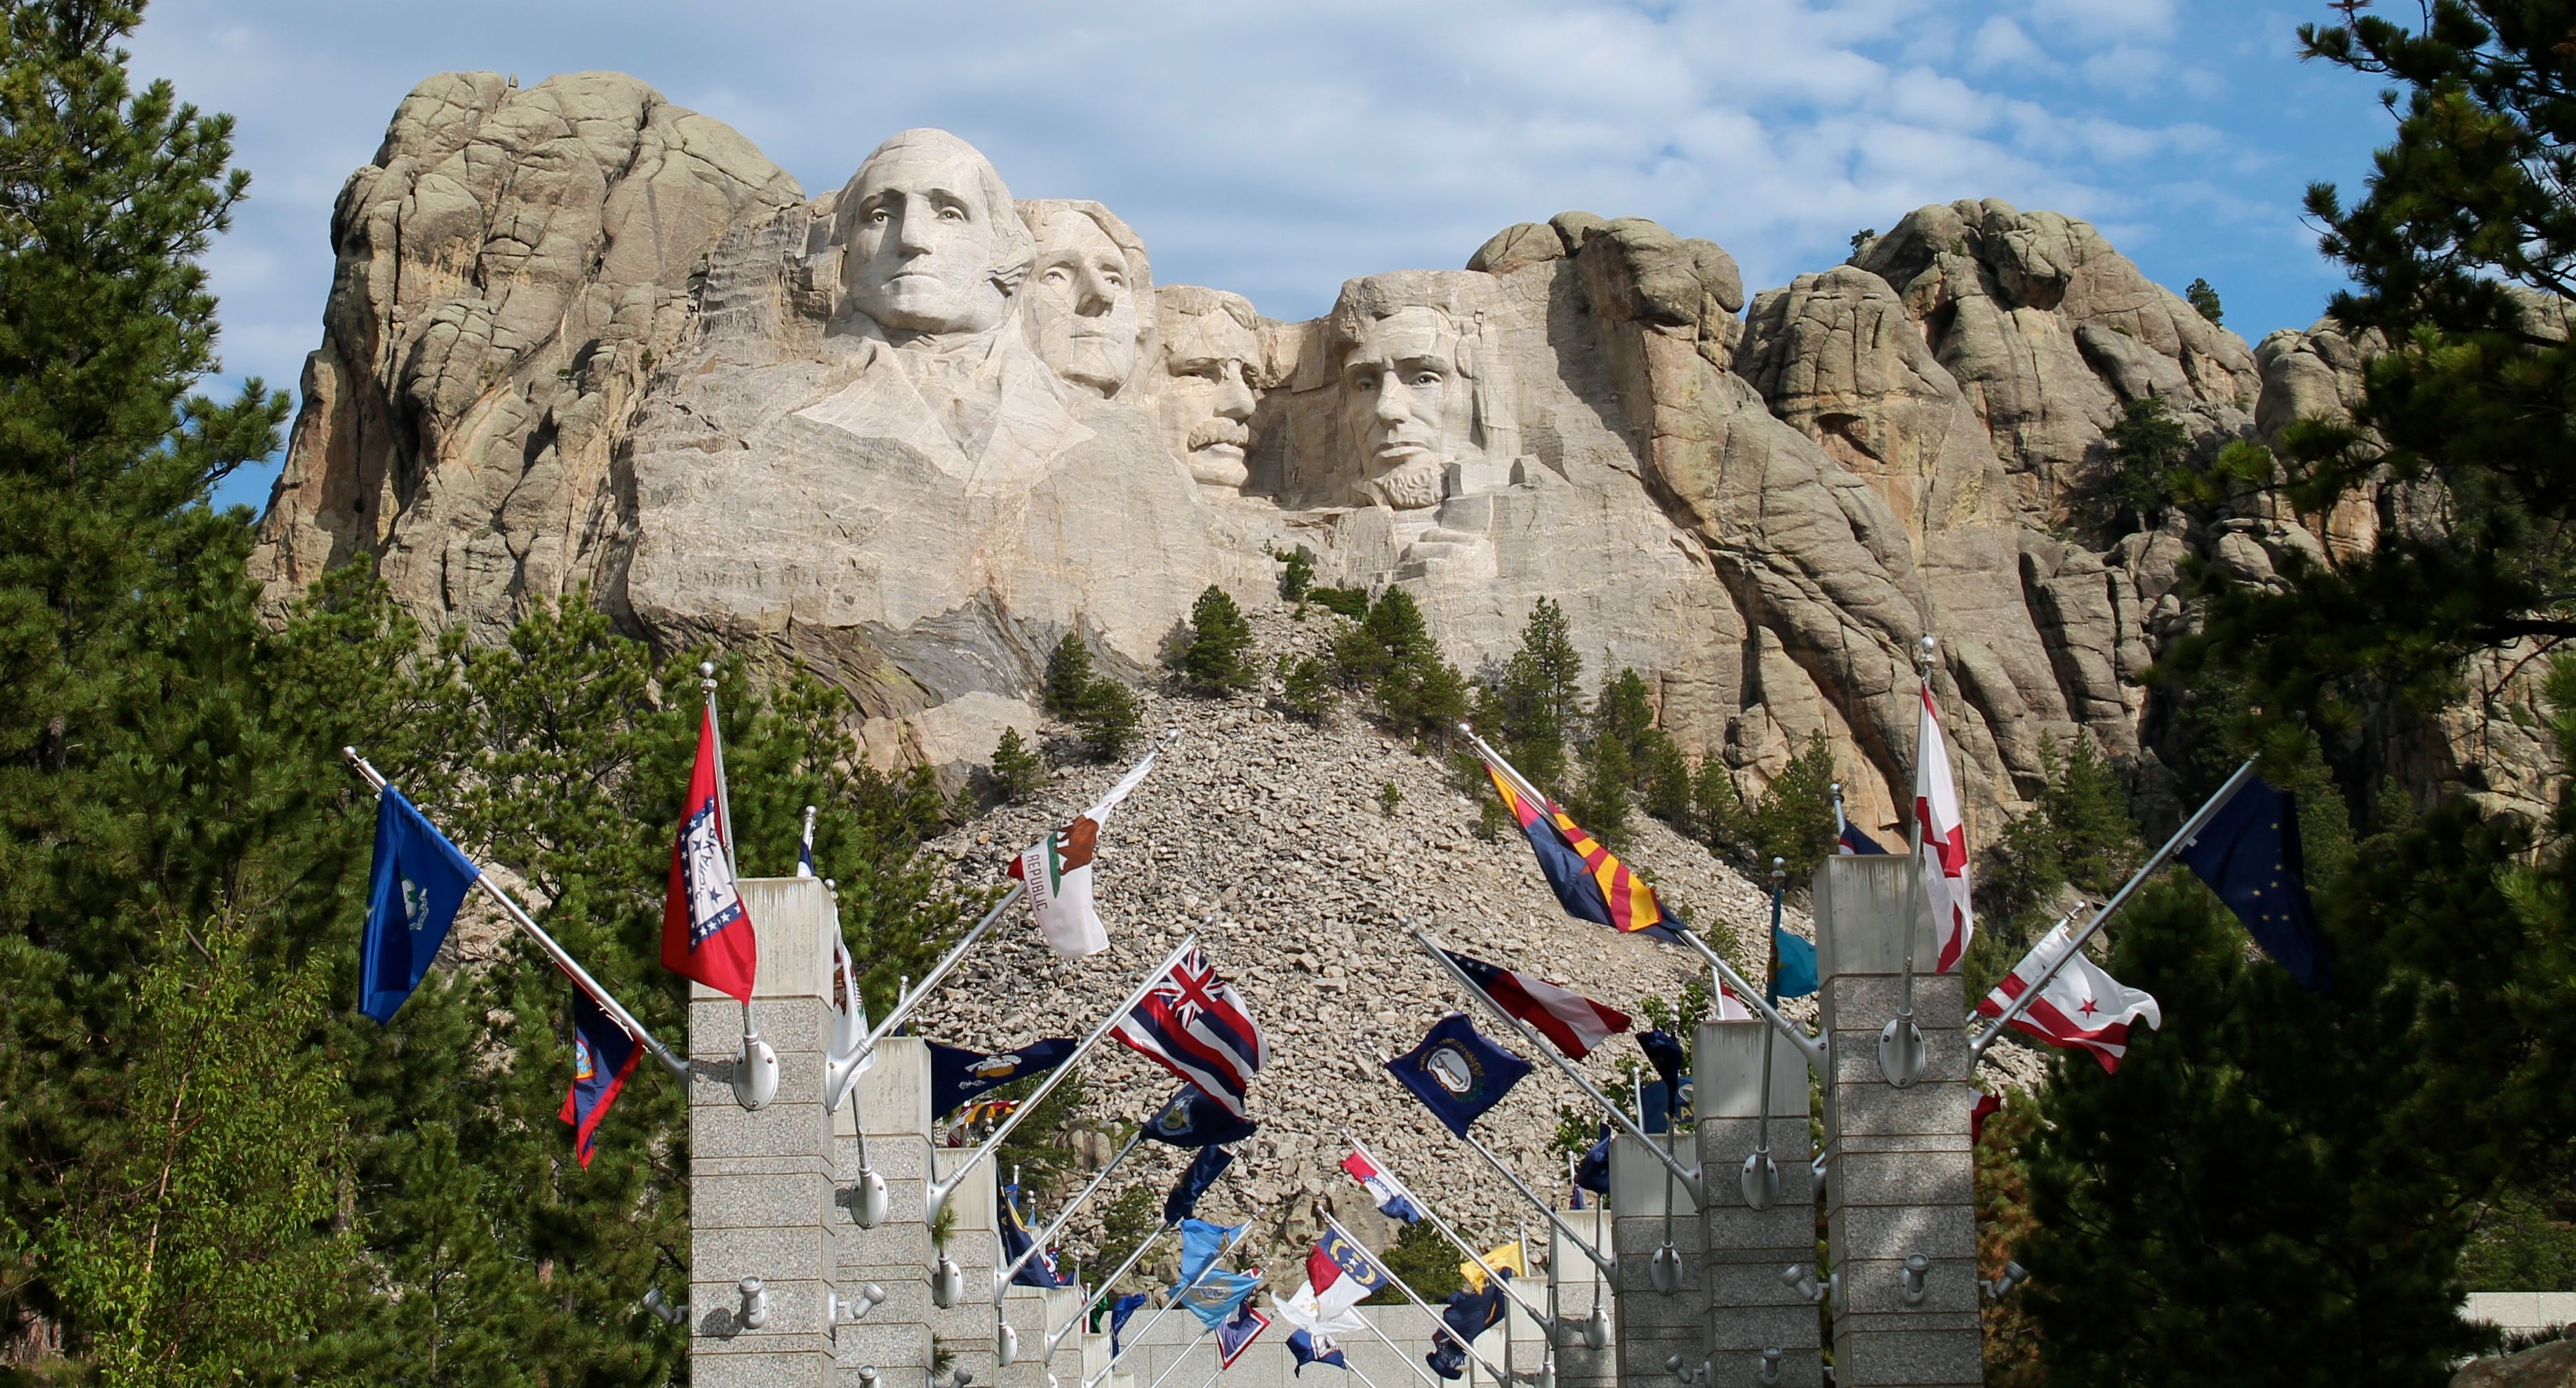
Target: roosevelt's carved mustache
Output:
{"points": [[1216, 431]]}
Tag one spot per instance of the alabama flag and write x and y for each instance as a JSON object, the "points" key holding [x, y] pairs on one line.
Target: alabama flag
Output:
{"points": [[1058, 871], [2082, 1009], [706, 935], [1944, 855]]}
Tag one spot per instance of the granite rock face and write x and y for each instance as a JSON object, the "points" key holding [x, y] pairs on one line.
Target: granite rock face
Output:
{"points": [[909, 433]]}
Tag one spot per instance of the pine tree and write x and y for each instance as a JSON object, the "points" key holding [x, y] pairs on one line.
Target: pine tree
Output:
{"points": [[1068, 676], [1110, 719], [1391, 654], [1296, 573], [1016, 770], [2204, 301], [1215, 659], [1304, 687]]}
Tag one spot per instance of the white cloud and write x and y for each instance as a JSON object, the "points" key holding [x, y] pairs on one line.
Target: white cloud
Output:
{"points": [[2000, 43]]}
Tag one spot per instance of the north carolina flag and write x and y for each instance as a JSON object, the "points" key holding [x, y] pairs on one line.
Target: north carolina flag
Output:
{"points": [[1058, 871], [1588, 881], [1574, 1022], [1339, 1276], [1944, 856], [706, 935], [2082, 1009]]}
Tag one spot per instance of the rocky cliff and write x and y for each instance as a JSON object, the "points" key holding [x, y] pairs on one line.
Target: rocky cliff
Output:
{"points": [[908, 433]]}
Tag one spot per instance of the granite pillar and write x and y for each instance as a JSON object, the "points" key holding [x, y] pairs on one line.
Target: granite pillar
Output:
{"points": [[1655, 1325], [1749, 1308]]}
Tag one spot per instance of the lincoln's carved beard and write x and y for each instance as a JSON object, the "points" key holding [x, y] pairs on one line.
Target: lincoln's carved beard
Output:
{"points": [[1410, 486]]}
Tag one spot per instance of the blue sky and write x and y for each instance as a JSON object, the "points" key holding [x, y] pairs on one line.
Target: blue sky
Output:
{"points": [[1277, 149]]}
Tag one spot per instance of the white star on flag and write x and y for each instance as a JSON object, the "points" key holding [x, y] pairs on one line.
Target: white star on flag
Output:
{"points": [[2082, 1009]]}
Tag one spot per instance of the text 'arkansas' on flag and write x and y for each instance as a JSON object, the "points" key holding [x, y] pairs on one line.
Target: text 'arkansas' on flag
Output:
{"points": [[414, 889], [1573, 1022], [1196, 1025], [1589, 881], [706, 933], [2083, 1008], [1057, 869], [1944, 857], [603, 1055]]}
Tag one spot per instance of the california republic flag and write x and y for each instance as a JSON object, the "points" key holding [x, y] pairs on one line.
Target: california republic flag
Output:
{"points": [[1057, 869], [1943, 856], [2083, 1008]]}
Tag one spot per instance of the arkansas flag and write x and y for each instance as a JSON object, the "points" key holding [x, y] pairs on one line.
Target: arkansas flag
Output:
{"points": [[1944, 856], [706, 935], [1574, 1022], [1057, 869], [2082, 1009], [1195, 1025]]}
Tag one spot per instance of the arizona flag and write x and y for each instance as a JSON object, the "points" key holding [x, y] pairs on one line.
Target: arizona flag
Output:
{"points": [[1196, 1025], [1944, 856], [603, 1055], [706, 935], [1058, 871], [1589, 881], [1574, 1022], [2082, 1009]]}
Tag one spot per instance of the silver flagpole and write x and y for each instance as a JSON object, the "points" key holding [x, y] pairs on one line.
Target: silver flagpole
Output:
{"points": [[1900, 1043], [1807, 1046], [1508, 1284], [1418, 1371], [755, 1071], [1410, 1295], [1440, 955], [909, 998], [2181, 839], [1039, 1240], [580, 976], [1242, 1233], [939, 1191], [1105, 1284], [1607, 1262]]}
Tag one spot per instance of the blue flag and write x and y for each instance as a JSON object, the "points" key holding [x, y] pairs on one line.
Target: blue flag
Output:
{"points": [[1446, 1358], [1192, 1119], [1854, 841], [1237, 1335], [1202, 1172], [1306, 1347], [1457, 1073], [1470, 1314], [1593, 1172], [1217, 1296], [958, 1074], [413, 891], [1664, 1051], [1793, 966], [603, 1055], [1201, 1242], [1118, 1316], [2249, 853], [1016, 1239]]}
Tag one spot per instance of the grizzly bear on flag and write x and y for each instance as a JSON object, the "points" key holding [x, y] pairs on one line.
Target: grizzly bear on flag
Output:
{"points": [[1057, 870]]}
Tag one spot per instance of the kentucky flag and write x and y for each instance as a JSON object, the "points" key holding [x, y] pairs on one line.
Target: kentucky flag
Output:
{"points": [[2249, 853], [413, 892], [1306, 1347], [1457, 1073], [706, 935], [1192, 1119], [1588, 881], [603, 1055], [958, 1074]]}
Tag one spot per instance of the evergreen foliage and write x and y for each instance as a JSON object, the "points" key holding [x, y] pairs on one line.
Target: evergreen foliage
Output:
{"points": [[2204, 301], [2077, 833], [1017, 771], [1793, 817], [1305, 688], [1296, 573], [1068, 676], [1216, 658], [1390, 654], [1425, 1261], [1111, 720], [1533, 707], [1349, 602], [2145, 454]]}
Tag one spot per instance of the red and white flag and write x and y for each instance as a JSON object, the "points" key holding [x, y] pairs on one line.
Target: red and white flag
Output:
{"points": [[2082, 1009], [1574, 1022], [1944, 836], [1731, 1008], [1058, 871], [706, 934], [1196, 1025]]}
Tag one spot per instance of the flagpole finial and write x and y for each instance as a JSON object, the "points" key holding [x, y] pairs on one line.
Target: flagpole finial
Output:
{"points": [[1779, 868]]}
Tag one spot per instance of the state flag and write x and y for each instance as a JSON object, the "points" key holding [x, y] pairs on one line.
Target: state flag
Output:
{"points": [[706, 933], [2250, 855], [1572, 1021], [1202, 1243], [2083, 1008], [1306, 1347], [1382, 1188], [1196, 1178], [1217, 1296], [1505, 1258], [1457, 1073], [1039, 1271], [1057, 870], [1793, 966], [1237, 1335], [1853, 841], [1589, 881], [1339, 1276], [1197, 1026], [958, 1074], [603, 1055], [1191, 1119], [415, 887], [1119, 1315], [1944, 854]]}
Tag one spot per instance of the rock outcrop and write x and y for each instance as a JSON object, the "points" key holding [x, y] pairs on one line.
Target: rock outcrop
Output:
{"points": [[909, 433]]}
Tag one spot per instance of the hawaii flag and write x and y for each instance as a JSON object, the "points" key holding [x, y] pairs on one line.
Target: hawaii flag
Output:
{"points": [[1058, 871], [1944, 855], [706, 935], [2082, 1009], [1196, 1025]]}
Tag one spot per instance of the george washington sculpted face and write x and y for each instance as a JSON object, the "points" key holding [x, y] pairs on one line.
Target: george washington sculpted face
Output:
{"points": [[930, 242]]}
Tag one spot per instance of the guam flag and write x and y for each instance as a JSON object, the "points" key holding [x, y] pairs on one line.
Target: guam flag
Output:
{"points": [[603, 1055], [706, 935], [1589, 882]]}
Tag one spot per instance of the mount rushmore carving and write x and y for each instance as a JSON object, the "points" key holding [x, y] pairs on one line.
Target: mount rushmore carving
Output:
{"points": [[910, 432]]}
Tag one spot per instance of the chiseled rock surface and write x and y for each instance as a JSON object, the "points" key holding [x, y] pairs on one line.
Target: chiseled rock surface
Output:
{"points": [[2544, 1366]]}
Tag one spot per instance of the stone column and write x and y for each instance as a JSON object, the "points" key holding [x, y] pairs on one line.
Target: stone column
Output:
{"points": [[894, 1097], [1901, 1179], [1578, 1283], [760, 1184], [1749, 1309], [1652, 1325]]}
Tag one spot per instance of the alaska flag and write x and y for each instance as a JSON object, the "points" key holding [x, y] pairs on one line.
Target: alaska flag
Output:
{"points": [[958, 1074], [1306, 1348], [1855, 842], [1457, 1073], [1589, 882], [413, 892], [1793, 966], [1192, 1119], [1203, 1170], [1118, 1316], [603, 1055], [2249, 853]]}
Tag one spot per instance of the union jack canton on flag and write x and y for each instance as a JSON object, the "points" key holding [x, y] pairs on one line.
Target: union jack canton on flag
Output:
{"points": [[1196, 1025]]}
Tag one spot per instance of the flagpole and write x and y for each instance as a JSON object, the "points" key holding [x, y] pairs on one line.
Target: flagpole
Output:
{"points": [[1410, 1295], [1813, 1050], [580, 976], [724, 796], [2182, 837], [1240, 1234], [1451, 1234], [1105, 1284], [938, 1192], [1038, 1241], [908, 999], [1761, 1176], [1183, 1357], [805, 846], [1440, 956], [755, 1073], [1900, 1043], [1607, 1264], [1371, 1322]]}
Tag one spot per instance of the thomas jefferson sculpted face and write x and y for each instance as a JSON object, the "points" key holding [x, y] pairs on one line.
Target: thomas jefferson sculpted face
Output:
{"points": [[931, 245], [1083, 313]]}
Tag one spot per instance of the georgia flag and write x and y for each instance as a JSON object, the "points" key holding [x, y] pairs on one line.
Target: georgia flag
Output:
{"points": [[1944, 836]]}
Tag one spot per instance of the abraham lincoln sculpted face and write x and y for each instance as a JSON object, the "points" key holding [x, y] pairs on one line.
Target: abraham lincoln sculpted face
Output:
{"points": [[1405, 405]]}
